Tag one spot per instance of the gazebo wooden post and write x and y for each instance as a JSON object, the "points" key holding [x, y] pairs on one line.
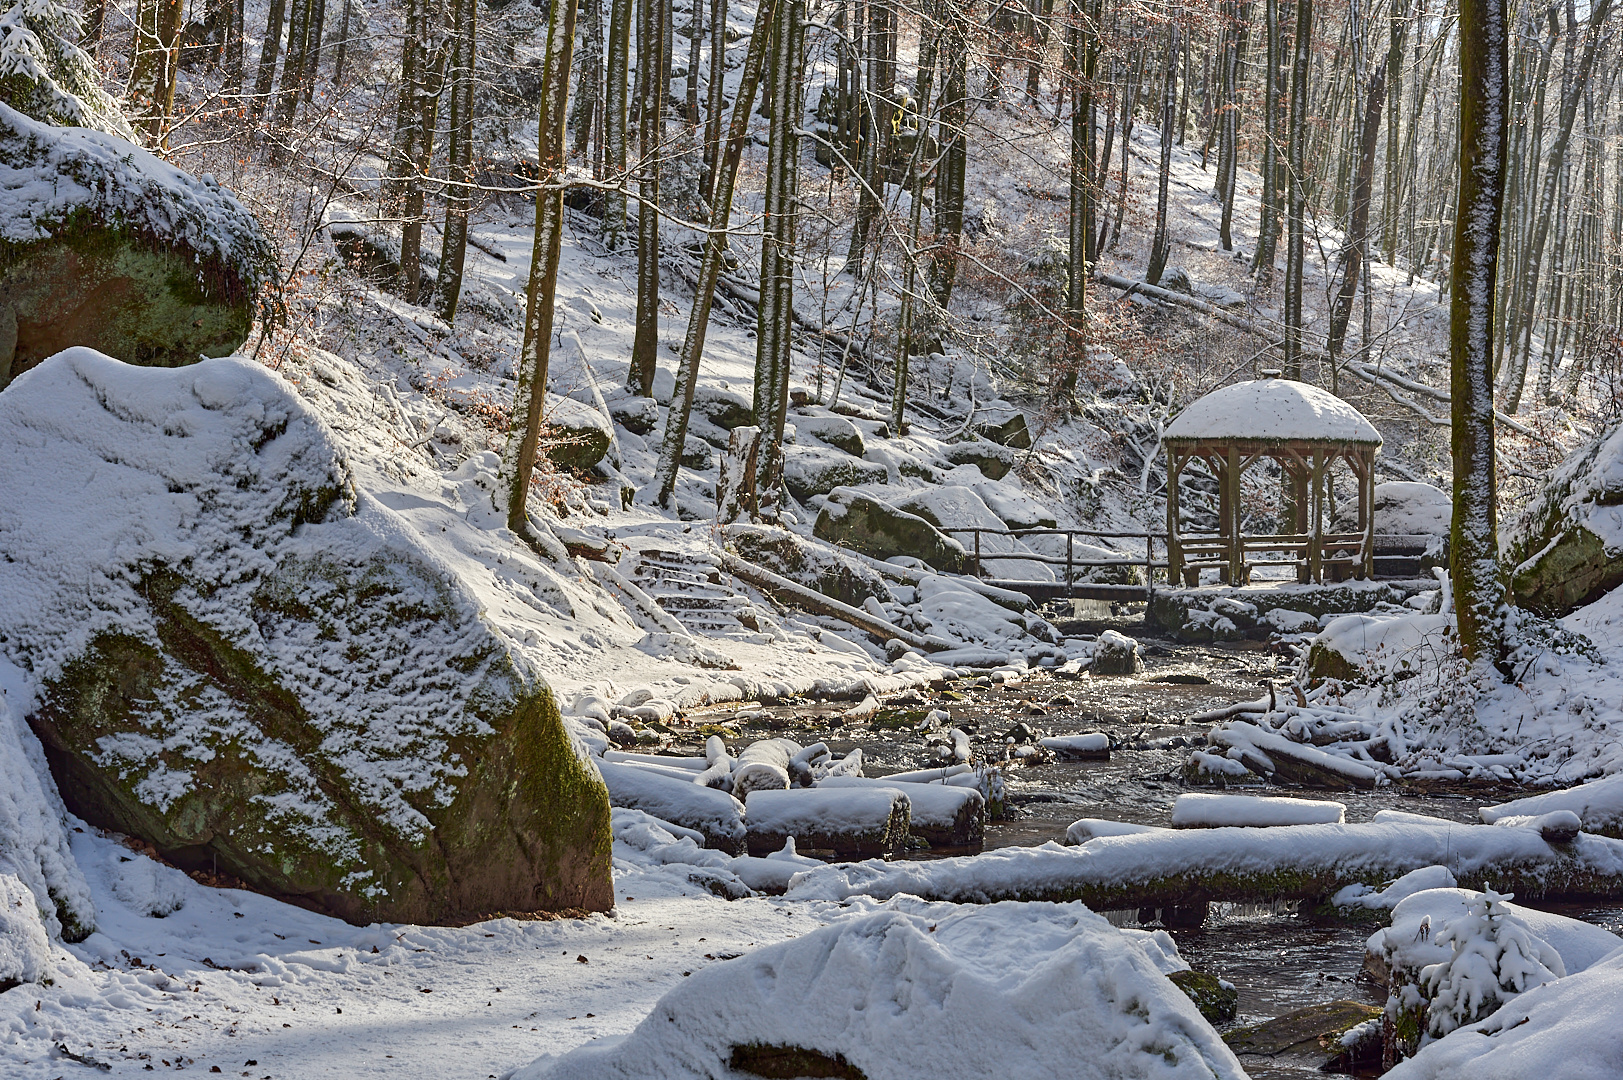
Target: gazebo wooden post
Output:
{"points": [[1366, 511], [1315, 545], [1236, 543], [1174, 545]]}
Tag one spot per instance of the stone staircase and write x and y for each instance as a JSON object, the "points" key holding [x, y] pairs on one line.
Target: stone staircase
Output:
{"points": [[692, 589]]}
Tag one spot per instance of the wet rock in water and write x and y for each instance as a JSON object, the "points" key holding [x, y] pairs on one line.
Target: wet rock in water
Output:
{"points": [[1116, 654], [580, 436], [235, 690], [1311, 1031], [1215, 998], [863, 523], [1183, 679], [1567, 547], [105, 246], [818, 470]]}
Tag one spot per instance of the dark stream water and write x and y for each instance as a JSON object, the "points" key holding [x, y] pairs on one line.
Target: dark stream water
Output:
{"points": [[1279, 962]]}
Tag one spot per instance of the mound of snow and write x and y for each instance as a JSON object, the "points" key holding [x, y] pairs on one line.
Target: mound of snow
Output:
{"points": [[1599, 805], [920, 991], [1578, 944], [1407, 508]]}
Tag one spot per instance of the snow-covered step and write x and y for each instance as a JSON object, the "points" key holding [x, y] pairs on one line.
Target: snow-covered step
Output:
{"points": [[691, 588]]}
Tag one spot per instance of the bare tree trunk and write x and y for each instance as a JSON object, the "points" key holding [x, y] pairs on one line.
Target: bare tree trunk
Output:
{"points": [[615, 137], [1479, 588], [524, 436], [459, 155], [716, 102], [154, 67], [674, 436], [1169, 106], [588, 85], [776, 313], [265, 76], [1352, 258], [1296, 212], [651, 130], [953, 137], [695, 51]]}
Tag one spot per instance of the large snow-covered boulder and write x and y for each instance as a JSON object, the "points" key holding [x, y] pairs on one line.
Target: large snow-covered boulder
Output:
{"points": [[1407, 508], [580, 436], [819, 566], [1566, 550], [818, 470], [103, 245], [863, 523], [1597, 804], [247, 663], [918, 991]]}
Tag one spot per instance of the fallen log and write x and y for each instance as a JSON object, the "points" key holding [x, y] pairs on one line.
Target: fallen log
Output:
{"points": [[1295, 862]]}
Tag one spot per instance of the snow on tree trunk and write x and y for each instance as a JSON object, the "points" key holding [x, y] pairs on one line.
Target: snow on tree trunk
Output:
{"points": [[1479, 589]]}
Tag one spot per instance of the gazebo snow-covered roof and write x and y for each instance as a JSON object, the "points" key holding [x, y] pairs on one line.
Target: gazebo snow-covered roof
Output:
{"points": [[1269, 410], [1305, 430]]}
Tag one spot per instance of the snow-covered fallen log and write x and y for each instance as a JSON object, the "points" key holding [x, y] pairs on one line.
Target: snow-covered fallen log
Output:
{"points": [[1200, 810], [1269, 753], [953, 817], [1089, 746], [797, 595], [1084, 829], [847, 821], [716, 814], [1599, 806], [1293, 862]]}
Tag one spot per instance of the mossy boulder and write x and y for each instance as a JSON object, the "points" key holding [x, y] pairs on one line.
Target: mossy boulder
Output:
{"points": [[726, 409], [269, 674], [103, 245], [580, 436], [1006, 428], [877, 529], [814, 565], [994, 461], [832, 430], [818, 470], [1566, 550]]}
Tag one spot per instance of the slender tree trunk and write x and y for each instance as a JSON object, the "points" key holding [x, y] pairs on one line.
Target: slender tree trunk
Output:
{"points": [[154, 67], [674, 436], [953, 138], [1296, 212], [776, 314], [924, 85], [459, 155], [293, 67], [1169, 106], [1262, 263], [695, 52], [615, 136], [265, 76], [233, 43], [651, 130], [716, 102], [342, 53], [588, 85], [1352, 258], [1479, 588], [524, 436]]}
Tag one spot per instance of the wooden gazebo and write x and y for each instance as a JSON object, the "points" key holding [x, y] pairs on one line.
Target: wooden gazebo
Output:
{"points": [[1304, 429]]}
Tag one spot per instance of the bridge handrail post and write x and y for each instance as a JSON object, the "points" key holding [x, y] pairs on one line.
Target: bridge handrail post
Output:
{"points": [[978, 553], [1070, 560]]}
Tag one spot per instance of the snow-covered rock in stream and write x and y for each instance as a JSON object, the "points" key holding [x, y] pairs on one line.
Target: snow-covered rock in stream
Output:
{"points": [[1199, 810], [1566, 549], [918, 991], [246, 663], [716, 815], [946, 817], [104, 245], [847, 821]]}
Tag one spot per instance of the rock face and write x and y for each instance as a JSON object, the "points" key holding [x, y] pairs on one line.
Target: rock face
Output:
{"points": [[1567, 548], [103, 245], [250, 665], [863, 523]]}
